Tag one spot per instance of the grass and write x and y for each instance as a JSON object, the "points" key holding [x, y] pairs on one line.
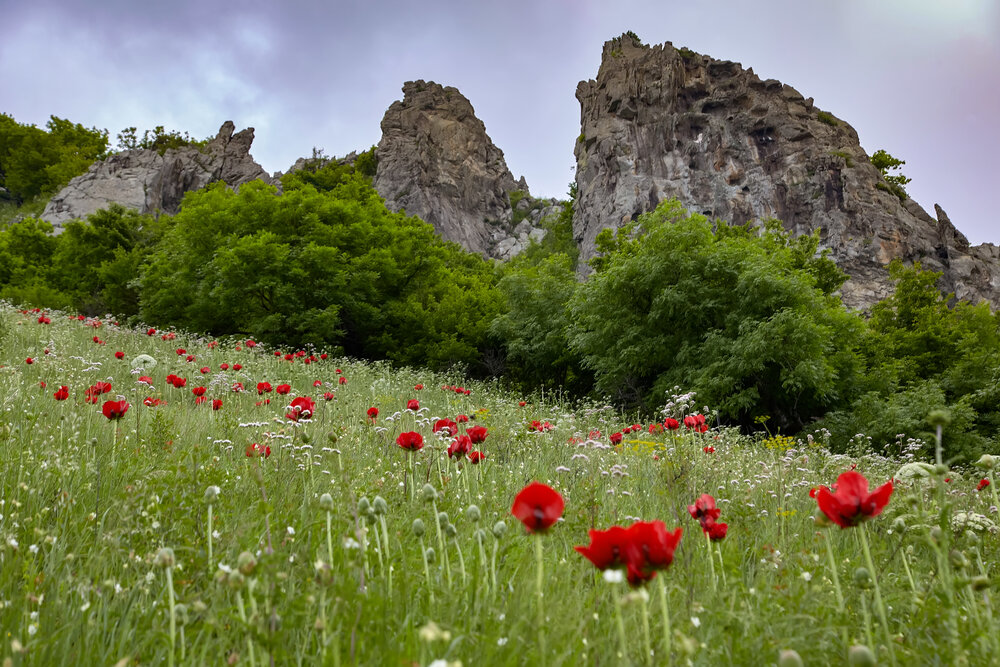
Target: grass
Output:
{"points": [[314, 556]]}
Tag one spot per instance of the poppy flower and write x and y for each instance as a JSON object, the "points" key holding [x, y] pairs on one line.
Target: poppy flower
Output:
{"points": [[302, 407], [289, 357], [538, 506], [258, 450], [198, 391], [459, 447], [852, 503], [418, 387], [650, 547], [616, 438], [200, 399], [521, 404], [317, 383], [216, 403], [263, 388], [205, 370], [445, 425], [338, 371], [476, 457], [329, 396], [283, 389], [342, 380], [237, 367], [251, 344], [410, 440], [477, 434], [115, 409], [715, 531], [709, 449], [119, 355], [983, 483], [372, 414], [237, 387], [462, 419], [413, 404], [145, 379], [690, 421], [151, 402], [277, 353], [606, 548], [62, 394], [223, 367], [704, 509]]}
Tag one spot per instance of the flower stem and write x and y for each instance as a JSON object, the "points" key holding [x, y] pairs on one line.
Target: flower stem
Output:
{"points": [[833, 573], [665, 611], [329, 538], [879, 604], [620, 624], [427, 570], [539, 582], [646, 643], [243, 617], [711, 560], [173, 614], [209, 538]]}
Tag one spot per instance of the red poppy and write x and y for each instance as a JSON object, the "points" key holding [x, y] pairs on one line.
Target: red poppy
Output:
{"points": [[317, 383], [216, 403], [62, 394], [237, 387], [198, 391], [983, 483], [418, 387], [476, 457], [704, 509], [538, 506], [709, 449], [277, 353], [329, 396], [372, 414], [445, 425], [237, 367], [200, 399], [223, 367], [342, 380], [251, 344], [258, 450], [303, 407], [115, 409], [650, 547], [29, 361], [413, 404], [616, 438], [477, 434], [462, 419], [119, 355], [289, 357], [178, 382], [205, 370], [521, 403], [606, 548], [323, 356], [145, 379], [410, 440], [701, 428], [716, 531], [283, 389], [263, 388], [151, 402], [690, 421], [460, 447], [338, 371], [852, 503]]}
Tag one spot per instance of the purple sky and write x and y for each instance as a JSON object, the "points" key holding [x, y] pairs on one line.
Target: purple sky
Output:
{"points": [[919, 78]]}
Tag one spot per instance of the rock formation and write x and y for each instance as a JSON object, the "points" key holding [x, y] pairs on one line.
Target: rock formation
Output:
{"points": [[149, 182], [659, 122], [436, 161]]}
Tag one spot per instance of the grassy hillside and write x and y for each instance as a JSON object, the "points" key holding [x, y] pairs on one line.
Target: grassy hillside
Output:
{"points": [[108, 556]]}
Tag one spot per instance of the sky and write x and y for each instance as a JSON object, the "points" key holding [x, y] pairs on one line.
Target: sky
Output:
{"points": [[918, 78]]}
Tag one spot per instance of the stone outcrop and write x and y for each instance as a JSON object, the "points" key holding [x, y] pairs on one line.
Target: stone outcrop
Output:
{"points": [[436, 161], [150, 182], [659, 122]]}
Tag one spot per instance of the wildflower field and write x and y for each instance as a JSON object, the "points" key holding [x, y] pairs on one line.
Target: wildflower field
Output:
{"points": [[166, 499]]}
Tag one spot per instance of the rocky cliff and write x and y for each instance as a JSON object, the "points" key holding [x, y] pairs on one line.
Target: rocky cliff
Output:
{"points": [[436, 161], [659, 122], [151, 182]]}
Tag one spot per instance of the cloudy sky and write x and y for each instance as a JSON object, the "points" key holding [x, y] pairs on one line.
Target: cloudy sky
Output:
{"points": [[919, 78]]}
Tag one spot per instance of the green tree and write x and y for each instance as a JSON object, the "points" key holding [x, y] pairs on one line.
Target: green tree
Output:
{"points": [[889, 166], [744, 316]]}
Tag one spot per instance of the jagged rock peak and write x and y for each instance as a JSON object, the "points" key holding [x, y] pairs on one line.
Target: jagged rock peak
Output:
{"points": [[151, 182], [436, 161], [660, 122]]}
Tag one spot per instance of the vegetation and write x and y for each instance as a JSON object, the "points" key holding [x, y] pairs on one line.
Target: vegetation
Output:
{"points": [[157, 139], [827, 118], [888, 166], [200, 522]]}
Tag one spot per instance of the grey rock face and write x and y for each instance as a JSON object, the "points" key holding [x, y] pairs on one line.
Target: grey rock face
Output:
{"points": [[436, 161], [659, 122], [149, 182]]}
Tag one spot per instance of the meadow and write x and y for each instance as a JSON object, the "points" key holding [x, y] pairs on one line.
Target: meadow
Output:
{"points": [[196, 501]]}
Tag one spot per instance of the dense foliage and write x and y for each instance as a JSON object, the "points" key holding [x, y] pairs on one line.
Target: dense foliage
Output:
{"points": [[746, 317]]}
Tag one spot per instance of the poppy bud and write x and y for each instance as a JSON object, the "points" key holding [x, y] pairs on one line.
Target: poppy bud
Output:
{"points": [[181, 611], [480, 535], [860, 656], [862, 578], [958, 560], [936, 533], [987, 462], [235, 579], [165, 558], [451, 531], [211, 493], [940, 469], [472, 513], [429, 555], [939, 418], [418, 527], [326, 502], [899, 525], [380, 506], [364, 506], [499, 528], [980, 583], [428, 492], [246, 563], [789, 658]]}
